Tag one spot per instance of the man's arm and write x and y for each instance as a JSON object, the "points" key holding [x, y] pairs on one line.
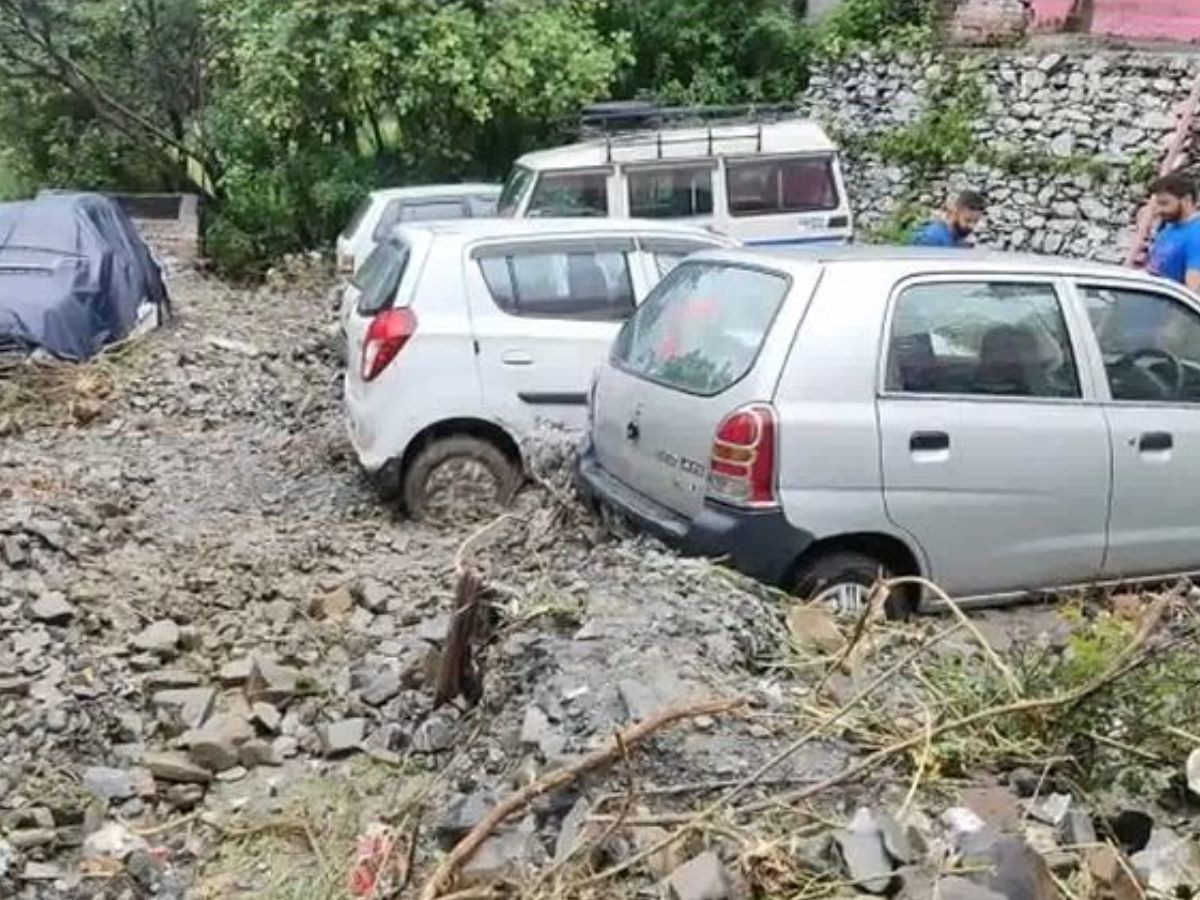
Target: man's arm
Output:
{"points": [[1192, 276]]}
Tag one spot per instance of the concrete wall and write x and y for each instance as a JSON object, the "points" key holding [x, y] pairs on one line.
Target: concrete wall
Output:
{"points": [[1172, 20]]}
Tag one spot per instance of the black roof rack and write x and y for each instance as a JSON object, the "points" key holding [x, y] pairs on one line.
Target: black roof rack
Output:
{"points": [[638, 123]]}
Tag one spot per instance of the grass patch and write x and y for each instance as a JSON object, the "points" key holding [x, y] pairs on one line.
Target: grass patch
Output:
{"points": [[305, 849]]}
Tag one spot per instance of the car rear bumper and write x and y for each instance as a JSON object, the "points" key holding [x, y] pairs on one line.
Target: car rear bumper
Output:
{"points": [[760, 543]]}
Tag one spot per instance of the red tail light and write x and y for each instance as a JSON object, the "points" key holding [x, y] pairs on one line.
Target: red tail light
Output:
{"points": [[742, 468], [386, 336]]}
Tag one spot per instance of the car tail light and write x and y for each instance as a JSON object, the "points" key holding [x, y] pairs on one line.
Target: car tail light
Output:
{"points": [[386, 336], [345, 263], [742, 468]]}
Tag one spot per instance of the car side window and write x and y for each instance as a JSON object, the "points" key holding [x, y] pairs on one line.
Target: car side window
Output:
{"points": [[592, 285], [433, 210], [670, 193], [994, 339], [570, 194], [1150, 343]]}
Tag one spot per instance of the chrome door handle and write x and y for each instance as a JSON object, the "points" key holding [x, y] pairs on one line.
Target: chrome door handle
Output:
{"points": [[516, 358]]}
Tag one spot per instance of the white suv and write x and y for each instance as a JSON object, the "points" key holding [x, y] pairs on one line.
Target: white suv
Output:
{"points": [[999, 424], [463, 337]]}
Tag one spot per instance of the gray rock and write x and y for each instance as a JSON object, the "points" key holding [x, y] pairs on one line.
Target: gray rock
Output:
{"points": [[188, 707], [506, 855], [236, 673], [382, 687], [32, 838], [463, 813], [1169, 864], [162, 637], [898, 840], [342, 737], [572, 831], [1063, 144], [1193, 772], [216, 745], [52, 608], [176, 767], [1077, 829], [373, 596], [701, 878], [272, 682], [266, 717], [258, 752], [864, 855], [1052, 810], [8, 856], [536, 726], [955, 888], [13, 552], [36, 871], [435, 735], [109, 784]]}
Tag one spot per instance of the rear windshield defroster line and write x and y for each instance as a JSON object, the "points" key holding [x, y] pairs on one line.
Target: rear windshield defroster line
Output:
{"points": [[702, 329]]}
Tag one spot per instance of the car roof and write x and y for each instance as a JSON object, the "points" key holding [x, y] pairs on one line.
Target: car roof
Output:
{"points": [[909, 260], [483, 228], [680, 144], [425, 191]]}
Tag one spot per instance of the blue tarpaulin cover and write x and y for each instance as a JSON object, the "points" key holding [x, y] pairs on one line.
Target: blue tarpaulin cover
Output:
{"points": [[74, 275]]}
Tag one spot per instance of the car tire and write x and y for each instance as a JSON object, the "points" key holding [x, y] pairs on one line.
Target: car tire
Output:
{"points": [[840, 582], [425, 498]]}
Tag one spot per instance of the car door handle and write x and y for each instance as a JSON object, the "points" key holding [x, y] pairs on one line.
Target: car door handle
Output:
{"points": [[516, 358], [926, 441], [1156, 442]]}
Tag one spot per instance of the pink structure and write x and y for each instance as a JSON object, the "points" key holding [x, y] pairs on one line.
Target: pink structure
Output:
{"points": [[1173, 20]]}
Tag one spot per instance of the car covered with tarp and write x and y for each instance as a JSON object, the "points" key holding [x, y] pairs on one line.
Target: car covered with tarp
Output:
{"points": [[75, 276]]}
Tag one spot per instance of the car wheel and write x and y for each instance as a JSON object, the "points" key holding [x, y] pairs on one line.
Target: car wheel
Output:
{"points": [[459, 479], [841, 583]]}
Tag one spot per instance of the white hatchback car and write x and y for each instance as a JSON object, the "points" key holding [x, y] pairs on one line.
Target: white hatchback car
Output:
{"points": [[463, 337], [383, 210]]}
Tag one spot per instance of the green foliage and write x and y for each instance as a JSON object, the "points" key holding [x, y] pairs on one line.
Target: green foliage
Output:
{"points": [[899, 225], [943, 135], [858, 23]]}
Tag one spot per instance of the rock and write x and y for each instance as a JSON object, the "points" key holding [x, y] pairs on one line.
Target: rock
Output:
{"points": [[109, 784], [1014, 870], [898, 840], [266, 717], [176, 767], [955, 888], [464, 813], [8, 856], [863, 854], [536, 726], [32, 838], [52, 608], [188, 707], [1052, 810], [572, 832], [813, 629], [658, 687], [373, 596], [1112, 875], [996, 806], [342, 737], [162, 637], [701, 878], [13, 552], [216, 745], [505, 855], [1077, 829], [113, 841], [258, 752], [172, 678], [435, 735], [1094, 210], [236, 673], [271, 682], [382, 688], [335, 605], [1193, 772], [36, 871], [1169, 863], [184, 796]]}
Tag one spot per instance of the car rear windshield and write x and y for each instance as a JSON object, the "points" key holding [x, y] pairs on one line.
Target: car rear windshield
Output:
{"points": [[702, 328], [379, 278]]}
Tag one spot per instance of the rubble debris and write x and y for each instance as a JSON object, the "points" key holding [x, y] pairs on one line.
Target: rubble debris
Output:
{"points": [[161, 637], [701, 878], [176, 767], [1112, 876], [861, 845], [953, 887], [1053, 810], [814, 630], [345, 736], [110, 784], [271, 682], [216, 745], [51, 608], [187, 707], [1169, 863]]}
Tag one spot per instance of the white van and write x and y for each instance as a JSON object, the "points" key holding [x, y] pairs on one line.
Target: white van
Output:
{"points": [[761, 182]]}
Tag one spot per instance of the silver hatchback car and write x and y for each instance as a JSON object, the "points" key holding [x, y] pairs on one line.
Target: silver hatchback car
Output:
{"points": [[999, 424]]}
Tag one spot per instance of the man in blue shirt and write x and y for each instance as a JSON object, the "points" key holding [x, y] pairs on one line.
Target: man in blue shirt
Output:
{"points": [[1175, 253], [952, 228]]}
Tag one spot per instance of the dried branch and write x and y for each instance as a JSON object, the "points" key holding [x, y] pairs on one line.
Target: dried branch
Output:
{"points": [[558, 778]]}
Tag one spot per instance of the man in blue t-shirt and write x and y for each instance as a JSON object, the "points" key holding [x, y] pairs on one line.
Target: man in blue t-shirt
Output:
{"points": [[1175, 253], [962, 216]]}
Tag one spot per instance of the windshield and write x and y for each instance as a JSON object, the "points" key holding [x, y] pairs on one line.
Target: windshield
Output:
{"points": [[379, 278], [514, 191], [701, 329]]}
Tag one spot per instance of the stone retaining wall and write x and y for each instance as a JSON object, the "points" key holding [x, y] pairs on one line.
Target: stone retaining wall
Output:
{"points": [[1063, 145]]}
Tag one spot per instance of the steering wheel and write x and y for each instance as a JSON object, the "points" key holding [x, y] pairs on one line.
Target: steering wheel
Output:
{"points": [[1140, 360]]}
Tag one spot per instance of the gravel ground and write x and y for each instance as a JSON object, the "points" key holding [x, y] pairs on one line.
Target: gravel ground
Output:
{"points": [[219, 654]]}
